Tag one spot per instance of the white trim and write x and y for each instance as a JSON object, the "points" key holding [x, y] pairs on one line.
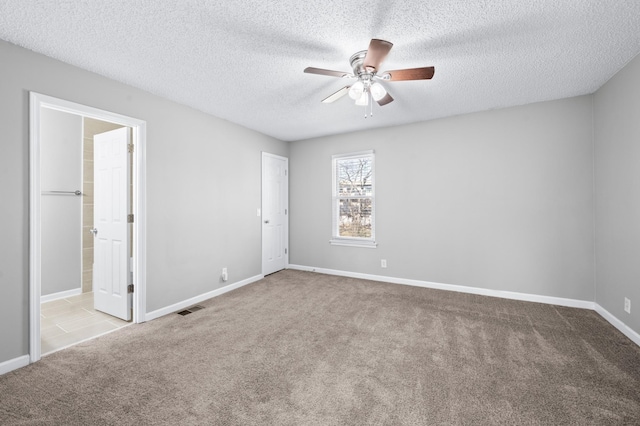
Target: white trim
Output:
{"points": [[37, 101], [573, 303], [624, 329], [140, 222], [14, 364], [353, 243], [35, 230], [197, 299], [60, 295], [353, 154]]}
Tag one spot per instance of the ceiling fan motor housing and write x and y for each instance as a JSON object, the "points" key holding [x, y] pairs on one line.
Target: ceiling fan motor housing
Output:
{"points": [[357, 64]]}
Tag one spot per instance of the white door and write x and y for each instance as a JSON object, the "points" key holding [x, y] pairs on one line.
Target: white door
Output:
{"points": [[111, 230], [275, 227]]}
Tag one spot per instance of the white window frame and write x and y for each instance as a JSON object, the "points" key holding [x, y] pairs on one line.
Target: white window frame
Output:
{"points": [[336, 239]]}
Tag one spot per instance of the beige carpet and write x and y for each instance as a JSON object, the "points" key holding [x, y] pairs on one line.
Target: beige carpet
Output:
{"points": [[301, 348]]}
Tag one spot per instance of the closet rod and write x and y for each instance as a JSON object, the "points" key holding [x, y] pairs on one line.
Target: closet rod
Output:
{"points": [[76, 192]]}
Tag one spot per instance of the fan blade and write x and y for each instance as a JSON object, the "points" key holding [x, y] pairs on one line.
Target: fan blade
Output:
{"points": [[424, 73], [312, 70], [378, 50], [387, 99], [337, 95]]}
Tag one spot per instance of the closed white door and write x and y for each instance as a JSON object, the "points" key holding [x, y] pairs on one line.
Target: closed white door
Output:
{"points": [[110, 225], [275, 189]]}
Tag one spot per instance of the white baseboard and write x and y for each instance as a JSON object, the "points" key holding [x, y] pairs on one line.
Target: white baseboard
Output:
{"points": [[14, 364], [572, 303], [60, 295], [624, 329], [197, 299]]}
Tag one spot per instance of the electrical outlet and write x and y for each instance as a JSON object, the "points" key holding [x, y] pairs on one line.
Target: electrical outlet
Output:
{"points": [[225, 276], [627, 305], [383, 263]]}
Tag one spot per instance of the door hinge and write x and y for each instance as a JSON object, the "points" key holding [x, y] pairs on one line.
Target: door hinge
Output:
{"points": [[285, 172], [285, 251], [130, 218], [285, 211], [130, 288], [130, 148]]}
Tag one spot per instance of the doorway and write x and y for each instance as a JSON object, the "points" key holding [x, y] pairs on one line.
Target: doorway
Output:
{"points": [[275, 213], [40, 107]]}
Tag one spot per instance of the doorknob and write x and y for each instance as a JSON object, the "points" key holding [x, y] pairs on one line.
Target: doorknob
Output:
{"points": [[266, 221], [94, 231]]}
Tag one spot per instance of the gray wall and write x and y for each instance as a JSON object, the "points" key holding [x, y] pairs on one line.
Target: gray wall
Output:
{"points": [[497, 200], [61, 170], [203, 187], [617, 171]]}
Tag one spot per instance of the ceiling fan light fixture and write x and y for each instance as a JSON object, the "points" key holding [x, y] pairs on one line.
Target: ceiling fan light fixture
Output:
{"points": [[363, 100], [356, 90], [377, 91], [366, 65]]}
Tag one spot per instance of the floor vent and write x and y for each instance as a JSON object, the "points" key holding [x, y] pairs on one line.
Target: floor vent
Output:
{"points": [[187, 311]]}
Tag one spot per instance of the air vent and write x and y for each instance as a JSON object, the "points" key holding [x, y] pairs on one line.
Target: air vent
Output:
{"points": [[187, 311]]}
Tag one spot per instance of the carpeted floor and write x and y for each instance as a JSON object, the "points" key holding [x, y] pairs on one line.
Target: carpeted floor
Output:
{"points": [[301, 348]]}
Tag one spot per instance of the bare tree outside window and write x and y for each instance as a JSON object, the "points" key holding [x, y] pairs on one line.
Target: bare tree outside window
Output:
{"points": [[354, 196]]}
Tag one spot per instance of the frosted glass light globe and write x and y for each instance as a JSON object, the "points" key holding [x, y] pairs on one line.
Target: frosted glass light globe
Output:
{"points": [[363, 100], [355, 92], [377, 91]]}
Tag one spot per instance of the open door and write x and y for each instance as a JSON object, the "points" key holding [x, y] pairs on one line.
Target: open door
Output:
{"points": [[274, 213], [110, 225]]}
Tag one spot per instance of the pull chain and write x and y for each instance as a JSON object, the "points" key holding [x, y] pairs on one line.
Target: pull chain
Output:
{"points": [[370, 103]]}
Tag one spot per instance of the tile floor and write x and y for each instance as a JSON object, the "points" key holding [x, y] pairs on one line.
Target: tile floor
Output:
{"points": [[68, 321]]}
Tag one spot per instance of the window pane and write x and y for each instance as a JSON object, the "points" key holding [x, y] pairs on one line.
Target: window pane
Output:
{"points": [[355, 217], [354, 176]]}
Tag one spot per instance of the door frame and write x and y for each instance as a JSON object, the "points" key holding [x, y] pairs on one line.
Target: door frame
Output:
{"points": [[286, 202], [139, 127]]}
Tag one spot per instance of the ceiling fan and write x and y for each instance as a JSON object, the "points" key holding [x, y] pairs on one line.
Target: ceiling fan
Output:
{"points": [[365, 66]]}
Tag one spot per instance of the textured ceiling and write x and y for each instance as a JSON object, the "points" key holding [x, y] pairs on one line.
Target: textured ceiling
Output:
{"points": [[244, 60]]}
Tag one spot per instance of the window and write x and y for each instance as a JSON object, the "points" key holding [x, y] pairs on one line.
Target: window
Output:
{"points": [[353, 199]]}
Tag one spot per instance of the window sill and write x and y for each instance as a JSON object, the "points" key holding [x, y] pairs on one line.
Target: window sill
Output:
{"points": [[353, 243]]}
